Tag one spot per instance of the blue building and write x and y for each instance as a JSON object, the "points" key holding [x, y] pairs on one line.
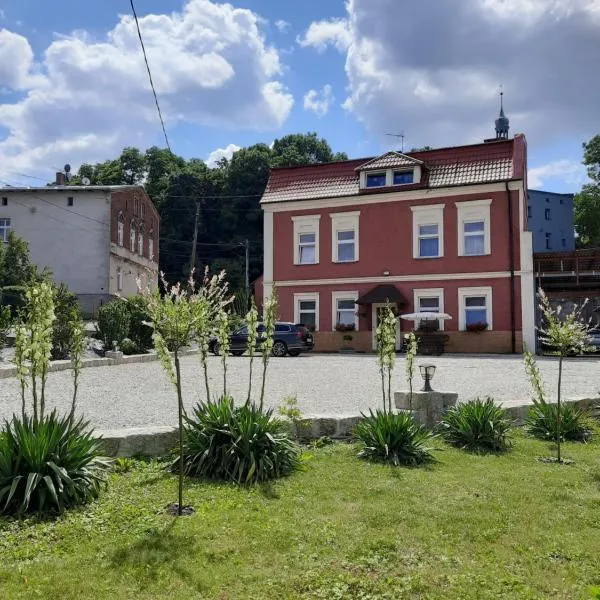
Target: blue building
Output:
{"points": [[550, 219]]}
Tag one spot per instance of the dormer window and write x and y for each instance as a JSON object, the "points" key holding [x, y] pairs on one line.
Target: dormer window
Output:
{"points": [[374, 180], [403, 177]]}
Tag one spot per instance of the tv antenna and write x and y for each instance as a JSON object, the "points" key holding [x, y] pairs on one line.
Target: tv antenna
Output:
{"points": [[399, 136]]}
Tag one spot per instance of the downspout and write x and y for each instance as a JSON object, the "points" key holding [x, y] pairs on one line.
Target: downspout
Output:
{"points": [[511, 250]]}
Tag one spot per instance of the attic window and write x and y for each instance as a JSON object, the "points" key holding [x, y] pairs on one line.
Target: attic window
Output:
{"points": [[375, 180], [403, 177]]}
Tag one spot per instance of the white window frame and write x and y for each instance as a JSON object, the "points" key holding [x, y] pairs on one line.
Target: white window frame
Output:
{"points": [[151, 248], [346, 221], [468, 292], [473, 211], [428, 214], [302, 225], [119, 279], [400, 170], [383, 172], [120, 233], [5, 229], [306, 297], [335, 296], [140, 243], [132, 238], [429, 293]]}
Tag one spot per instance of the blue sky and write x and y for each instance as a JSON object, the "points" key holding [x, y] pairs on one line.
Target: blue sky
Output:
{"points": [[73, 86]]}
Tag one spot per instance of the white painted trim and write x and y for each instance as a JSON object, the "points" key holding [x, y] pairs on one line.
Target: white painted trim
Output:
{"points": [[268, 247], [335, 296], [306, 224], [349, 221], [429, 293], [465, 292], [528, 291], [394, 195], [428, 214], [396, 278], [468, 212], [306, 296]]}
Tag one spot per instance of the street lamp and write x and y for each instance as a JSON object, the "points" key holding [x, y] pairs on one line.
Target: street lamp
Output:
{"points": [[427, 372]]}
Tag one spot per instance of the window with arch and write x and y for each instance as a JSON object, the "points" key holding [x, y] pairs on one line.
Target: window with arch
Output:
{"points": [[120, 229], [141, 241], [132, 236], [151, 245]]}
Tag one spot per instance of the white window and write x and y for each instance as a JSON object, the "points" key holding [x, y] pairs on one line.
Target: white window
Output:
{"points": [[150, 248], [306, 239], [306, 310], [119, 279], [374, 180], [132, 237], [429, 300], [120, 227], [4, 229], [475, 306], [428, 231], [141, 243], [344, 236], [474, 227], [344, 309]]}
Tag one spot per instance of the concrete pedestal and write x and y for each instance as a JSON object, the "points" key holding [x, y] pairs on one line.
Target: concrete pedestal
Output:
{"points": [[427, 407], [114, 354]]}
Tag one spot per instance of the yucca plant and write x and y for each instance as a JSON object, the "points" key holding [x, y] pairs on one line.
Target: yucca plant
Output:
{"points": [[48, 465], [241, 444], [572, 423], [478, 425], [394, 438]]}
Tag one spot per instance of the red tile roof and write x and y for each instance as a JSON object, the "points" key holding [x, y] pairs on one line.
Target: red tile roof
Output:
{"points": [[443, 167]]}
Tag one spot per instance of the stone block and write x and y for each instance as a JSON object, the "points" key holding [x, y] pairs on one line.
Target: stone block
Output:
{"points": [[346, 425], [114, 354], [428, 407], [324, 427], [140, 441]]}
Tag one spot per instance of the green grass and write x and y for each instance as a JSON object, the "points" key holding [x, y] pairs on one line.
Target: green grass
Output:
{"points": [[466, 527]]}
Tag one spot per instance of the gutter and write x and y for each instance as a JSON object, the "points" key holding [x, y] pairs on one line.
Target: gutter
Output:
{"points": [[511, 267]]}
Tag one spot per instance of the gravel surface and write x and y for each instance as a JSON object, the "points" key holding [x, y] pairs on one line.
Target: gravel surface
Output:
{"points": [[139, 394]]}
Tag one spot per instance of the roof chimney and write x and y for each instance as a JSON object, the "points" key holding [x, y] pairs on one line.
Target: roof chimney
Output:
{"points": [[60, 178]]}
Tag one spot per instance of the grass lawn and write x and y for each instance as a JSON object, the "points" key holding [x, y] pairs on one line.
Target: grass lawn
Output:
{"points": [[480, 527]]}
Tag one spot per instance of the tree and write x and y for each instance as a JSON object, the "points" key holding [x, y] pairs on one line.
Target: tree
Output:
{"points": [[587, 202], [16, 267], [303, 149]]}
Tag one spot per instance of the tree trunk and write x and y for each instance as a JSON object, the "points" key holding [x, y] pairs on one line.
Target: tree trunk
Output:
{"points": [[250, 381], [262, 389], [35, 398], [43, 394], [389, 390], [410, 394], [383, 387], [224, 376], [559, 410], [74, 401], [180, 414]]}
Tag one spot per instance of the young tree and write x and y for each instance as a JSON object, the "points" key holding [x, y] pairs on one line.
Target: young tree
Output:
{"points": [[566, 334], [252, 324], [386, 353], [77, 347], [223, 341], [411, 353], [270, 312]]}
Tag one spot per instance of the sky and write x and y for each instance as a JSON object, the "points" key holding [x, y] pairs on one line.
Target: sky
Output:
{"points": [[74, 87]]}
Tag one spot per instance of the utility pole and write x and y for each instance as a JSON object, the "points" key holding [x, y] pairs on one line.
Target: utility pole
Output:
{"points": [[247, 245], [195, 242]]}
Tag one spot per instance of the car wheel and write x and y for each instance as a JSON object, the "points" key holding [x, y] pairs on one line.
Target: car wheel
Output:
{"points": [[279, 349], [294, 352], [237, 352], [216, 349]]}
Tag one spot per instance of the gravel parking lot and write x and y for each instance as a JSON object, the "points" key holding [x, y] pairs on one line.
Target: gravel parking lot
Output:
{"points": [[139, 394]]}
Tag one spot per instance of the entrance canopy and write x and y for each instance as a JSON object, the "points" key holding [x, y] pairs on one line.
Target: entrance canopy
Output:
{"points": [[381, 294]]}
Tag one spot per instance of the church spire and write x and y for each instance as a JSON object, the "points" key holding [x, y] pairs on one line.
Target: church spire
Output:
{"points": [[502, 122]]}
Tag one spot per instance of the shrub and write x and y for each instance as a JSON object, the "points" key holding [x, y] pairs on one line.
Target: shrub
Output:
{"points": [[139, 332], [113, 323], [129, 347], [5, 325], [575, 424], [13, 296], [478, 425], [68, 313], [394, 438], [243, 445], [48, 465]]}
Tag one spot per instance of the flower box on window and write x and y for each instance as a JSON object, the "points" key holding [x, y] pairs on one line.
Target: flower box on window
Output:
{"points": [[477, 327], [345, 327]]}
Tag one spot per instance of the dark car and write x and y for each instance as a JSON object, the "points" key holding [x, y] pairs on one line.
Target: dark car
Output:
{"points": [[288, 338]]}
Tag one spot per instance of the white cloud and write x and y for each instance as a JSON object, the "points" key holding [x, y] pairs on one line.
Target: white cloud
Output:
{"points": [[216, 155], [319, 102], [88, 97], [568, 171], [320, 34], [410, 70], [282, 26]]}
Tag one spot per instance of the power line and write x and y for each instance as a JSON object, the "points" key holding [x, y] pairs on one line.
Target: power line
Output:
{"points": [[150, 75]]}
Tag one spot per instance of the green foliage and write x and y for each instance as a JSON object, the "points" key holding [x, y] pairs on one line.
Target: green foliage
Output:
{"points": [[5, 325], [13, 296], [129, 347], [574, 424], [48, 465], [587, 202], [113, 323], [394, 438], [303, 149], [270, 313], [16, 268], [591, 158], [478, 425], [535, 377], [242, 445], [124, 465], [68, 315], [222, 325], [140, 332], [411, 346], [386, 352], [252, 324]]}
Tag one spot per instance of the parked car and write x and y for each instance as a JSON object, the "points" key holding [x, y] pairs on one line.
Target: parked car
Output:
{"points": [[595, 339], [288, 338]]}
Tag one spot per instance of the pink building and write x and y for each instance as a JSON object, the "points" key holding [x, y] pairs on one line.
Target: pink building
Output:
{"points": [[440, 230]]}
